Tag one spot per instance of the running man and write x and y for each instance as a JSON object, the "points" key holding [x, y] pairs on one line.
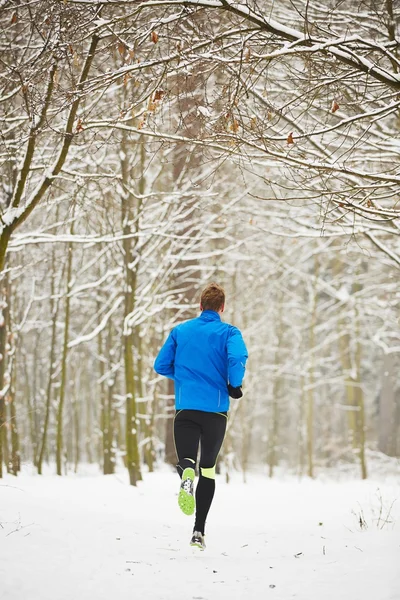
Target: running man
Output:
{"points": [[206, 358]]}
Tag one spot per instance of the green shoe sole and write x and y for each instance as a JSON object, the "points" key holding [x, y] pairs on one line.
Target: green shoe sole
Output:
{"points": [[198, 540], [186, 500], [196, 545]]}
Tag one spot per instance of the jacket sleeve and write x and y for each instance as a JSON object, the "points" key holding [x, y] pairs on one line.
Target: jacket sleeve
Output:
{"points": [[165, 361], [237, 357]]}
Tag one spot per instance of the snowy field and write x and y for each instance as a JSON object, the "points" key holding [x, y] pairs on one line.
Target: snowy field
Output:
{"points": [[90, 537]]}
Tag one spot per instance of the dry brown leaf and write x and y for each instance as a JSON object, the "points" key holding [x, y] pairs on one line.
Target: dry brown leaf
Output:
{"points": [[121, 48], [158, 94], [290, 139], [234, 126], [335, 106], [154, 37]]}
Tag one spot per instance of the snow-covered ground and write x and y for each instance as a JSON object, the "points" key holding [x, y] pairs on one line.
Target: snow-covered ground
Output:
{"points": [[90, 537]]}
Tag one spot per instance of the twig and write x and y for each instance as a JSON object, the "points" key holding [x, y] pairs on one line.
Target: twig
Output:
{"points": [[20, 528]]}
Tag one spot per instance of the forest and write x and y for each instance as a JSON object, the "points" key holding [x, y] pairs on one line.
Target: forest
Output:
{"points": [[150, 147]]}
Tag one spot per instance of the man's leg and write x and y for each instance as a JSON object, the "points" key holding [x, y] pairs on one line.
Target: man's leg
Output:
{"points": [[187, 437], [212, 436]]}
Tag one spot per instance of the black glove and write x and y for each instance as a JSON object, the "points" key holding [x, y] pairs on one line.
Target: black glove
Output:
{"points": [[235, 392]]}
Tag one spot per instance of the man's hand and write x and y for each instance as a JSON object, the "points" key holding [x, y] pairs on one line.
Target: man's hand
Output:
{"points": [[235, 392]]}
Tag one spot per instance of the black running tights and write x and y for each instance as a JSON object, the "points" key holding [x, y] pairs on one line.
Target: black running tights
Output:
{"points": [[191, 428]]}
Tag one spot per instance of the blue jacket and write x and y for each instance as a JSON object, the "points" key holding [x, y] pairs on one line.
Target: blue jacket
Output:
{"points": [[201, 356]]}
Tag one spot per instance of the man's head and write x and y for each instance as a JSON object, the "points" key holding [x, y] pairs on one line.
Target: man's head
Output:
{"points": [[213, 298]]}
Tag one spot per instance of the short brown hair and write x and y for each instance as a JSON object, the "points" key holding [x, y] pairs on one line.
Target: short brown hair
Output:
{"points": [[212, 297]]}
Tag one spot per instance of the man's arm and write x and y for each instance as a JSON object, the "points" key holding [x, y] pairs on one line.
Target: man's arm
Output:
{"points": [[165, 361], [237, 357]]}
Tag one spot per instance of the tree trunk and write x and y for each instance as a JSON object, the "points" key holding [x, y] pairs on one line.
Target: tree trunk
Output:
{"points": [[106, 393], [311, 379], [103, 423], [153, 411], [274, 428], [130, 273], [89, 422], [300, 428], [76, 421], [387, 407], [3, 352], [28, 396], [345, 359], [345, 349], [59, 449], [15, 459], [110, 428], [52, 356], [36, 390], [360, 416], [132, 450], [144, 408], [170, 452], [15, 466]]}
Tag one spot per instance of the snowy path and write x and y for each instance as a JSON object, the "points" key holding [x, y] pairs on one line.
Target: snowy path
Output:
{"points": [[96, 538]]}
